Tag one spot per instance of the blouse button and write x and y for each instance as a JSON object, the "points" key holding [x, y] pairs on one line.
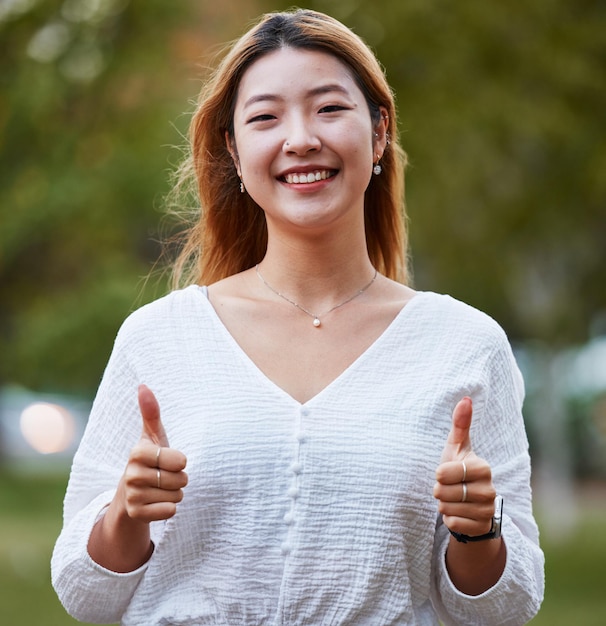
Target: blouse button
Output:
{"points": [[295, 467], [289, 518], [285, 548], [293, 492]]}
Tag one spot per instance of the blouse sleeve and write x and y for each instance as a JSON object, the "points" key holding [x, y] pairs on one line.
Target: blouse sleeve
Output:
{"points": [[88, 591], [498, 435]]}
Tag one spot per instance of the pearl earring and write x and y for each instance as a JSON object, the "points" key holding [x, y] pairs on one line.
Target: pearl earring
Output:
{"points": [[242, 188], [377, 169]]}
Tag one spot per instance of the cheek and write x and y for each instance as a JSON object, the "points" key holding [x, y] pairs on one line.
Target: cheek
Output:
{"points": [[356, 141], [256, 156], [360, 156]]}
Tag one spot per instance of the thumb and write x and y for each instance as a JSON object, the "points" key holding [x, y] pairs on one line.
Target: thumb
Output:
{"points": [[458, 444], [150, 412]]}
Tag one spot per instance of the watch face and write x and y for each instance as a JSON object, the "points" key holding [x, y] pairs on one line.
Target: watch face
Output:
{"points": [[498, 509], [497, 519]]}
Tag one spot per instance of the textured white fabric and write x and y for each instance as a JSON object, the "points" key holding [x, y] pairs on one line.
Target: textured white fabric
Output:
{"points": [[314, 514]]}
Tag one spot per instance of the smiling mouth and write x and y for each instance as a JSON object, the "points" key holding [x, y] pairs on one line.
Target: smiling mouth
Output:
{"points": [[304, 178]]}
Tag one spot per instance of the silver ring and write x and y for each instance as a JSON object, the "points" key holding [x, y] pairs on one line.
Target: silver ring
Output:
{"points": [[464, 471], [158, 456], [158, 475], [463, 499]]}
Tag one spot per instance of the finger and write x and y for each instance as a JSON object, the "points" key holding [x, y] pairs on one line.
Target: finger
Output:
{"points": [[458, 443], [150, 412], [152, 487], [453, 472], [478, 493], [167, 481], [461, 423], [171, 460], [472, 469], [466, 525], [452, 493], [153, 512], [145, 455]]}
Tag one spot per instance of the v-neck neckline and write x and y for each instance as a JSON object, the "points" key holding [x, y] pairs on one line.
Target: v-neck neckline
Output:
{"points": [[250, 363]]}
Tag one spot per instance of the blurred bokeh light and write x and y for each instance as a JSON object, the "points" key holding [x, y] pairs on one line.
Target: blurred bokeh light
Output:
{"points": [[48, 428]]}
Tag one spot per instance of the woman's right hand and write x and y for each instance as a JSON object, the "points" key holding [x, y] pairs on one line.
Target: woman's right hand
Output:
{"points": [[149, 490], [154, 478]]}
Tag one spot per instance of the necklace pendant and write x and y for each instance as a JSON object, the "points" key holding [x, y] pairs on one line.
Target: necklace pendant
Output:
{"points": [[316, 321]]}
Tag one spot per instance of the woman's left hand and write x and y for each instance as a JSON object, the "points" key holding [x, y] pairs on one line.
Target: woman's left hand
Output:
{"points": [[466, 497], [464, 486]]}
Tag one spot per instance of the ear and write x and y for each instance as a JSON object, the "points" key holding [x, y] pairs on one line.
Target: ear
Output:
{"points": [[381, 135], [233, 151]]}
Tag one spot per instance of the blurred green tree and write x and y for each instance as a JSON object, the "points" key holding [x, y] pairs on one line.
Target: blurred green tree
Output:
{"points": [[91, 100]]}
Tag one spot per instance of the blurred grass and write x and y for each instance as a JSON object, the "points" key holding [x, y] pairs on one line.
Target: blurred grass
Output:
{"points": [[574, 567], [30, 519]]}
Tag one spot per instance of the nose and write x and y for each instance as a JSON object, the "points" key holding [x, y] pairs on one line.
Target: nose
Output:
{"points": [[301, 139]]}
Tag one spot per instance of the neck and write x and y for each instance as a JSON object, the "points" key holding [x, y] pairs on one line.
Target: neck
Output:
{"points": [[318, 268], [317, 279], [317, 316]]}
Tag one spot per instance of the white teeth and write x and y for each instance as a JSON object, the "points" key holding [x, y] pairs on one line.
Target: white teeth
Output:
{"points": [[303, 178]]}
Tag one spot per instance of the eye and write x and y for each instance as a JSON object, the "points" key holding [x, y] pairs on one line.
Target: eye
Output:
{"points": [[266, 117], [332, 108]]}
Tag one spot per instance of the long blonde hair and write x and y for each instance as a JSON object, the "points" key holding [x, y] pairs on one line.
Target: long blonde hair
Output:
{"points": [[229, 233]]}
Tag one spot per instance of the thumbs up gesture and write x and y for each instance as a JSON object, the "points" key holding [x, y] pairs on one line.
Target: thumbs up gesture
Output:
{"points": [[464, 486], [154, 477]]}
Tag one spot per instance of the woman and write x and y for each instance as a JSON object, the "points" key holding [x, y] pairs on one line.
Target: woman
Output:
{"points": [[335, 424]]}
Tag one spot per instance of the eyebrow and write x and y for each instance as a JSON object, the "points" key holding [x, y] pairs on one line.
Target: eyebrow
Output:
{"points": [[316, 91]]}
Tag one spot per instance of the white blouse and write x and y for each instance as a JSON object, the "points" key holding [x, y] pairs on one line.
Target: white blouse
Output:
{"points": [[314, 514]]}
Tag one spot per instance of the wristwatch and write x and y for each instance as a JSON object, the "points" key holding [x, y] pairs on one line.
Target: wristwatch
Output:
{"points": [[495, 529]]}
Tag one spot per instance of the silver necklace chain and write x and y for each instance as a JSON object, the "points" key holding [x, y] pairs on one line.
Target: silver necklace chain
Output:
{"points": [[316, 318]]}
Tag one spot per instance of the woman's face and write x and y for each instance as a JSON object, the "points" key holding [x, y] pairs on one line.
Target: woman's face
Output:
{"points": [[304, 139]]}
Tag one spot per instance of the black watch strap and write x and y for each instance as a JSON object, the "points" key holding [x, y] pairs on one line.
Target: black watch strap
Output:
{"points": [[495, 529]]}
